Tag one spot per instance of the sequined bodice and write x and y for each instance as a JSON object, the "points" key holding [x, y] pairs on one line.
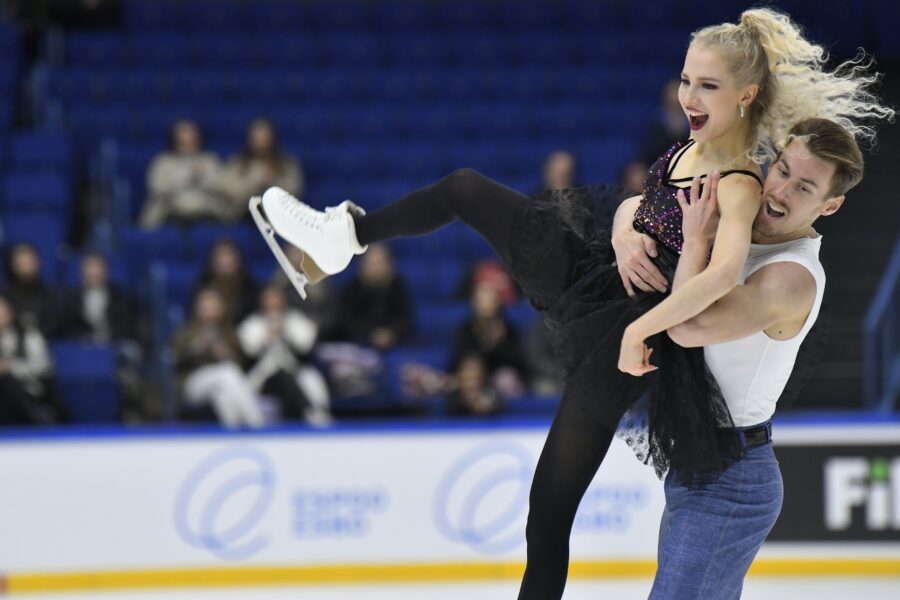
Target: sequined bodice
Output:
{"points": [[659, 214]]}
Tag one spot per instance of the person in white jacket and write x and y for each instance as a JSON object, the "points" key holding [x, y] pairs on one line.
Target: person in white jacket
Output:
{"points": [[280, 340]]}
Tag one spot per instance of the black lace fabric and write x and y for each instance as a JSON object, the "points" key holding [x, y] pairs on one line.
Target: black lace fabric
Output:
{"points": [[683, 422]]}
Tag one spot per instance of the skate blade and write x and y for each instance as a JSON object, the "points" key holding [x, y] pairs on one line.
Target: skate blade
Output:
{"points": [[299, 280]]}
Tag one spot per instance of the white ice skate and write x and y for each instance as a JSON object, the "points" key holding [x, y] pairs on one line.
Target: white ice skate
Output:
{"points": [[327, 239]]}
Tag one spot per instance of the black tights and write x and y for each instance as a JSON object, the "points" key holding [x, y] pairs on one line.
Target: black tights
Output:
{"points": [[580, 434]]}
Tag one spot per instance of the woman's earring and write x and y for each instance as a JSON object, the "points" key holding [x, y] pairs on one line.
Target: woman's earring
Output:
{"points": [[742, 110]]}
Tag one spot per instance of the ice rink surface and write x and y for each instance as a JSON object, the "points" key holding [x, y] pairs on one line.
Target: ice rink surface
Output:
{"points": [[755, 589]]}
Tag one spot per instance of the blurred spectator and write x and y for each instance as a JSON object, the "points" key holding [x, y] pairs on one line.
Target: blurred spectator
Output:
{"points": [[280, 341], [260, 165], [543, 367], [100, 312], [473, 393], [490, 272], [183, 183], [559, 171], [97, 310], [376, 307], [321, 304], [33, 301], [226, 273], [633, 175], [208, 359], [27, 391], [670, 126], [488, 335]]}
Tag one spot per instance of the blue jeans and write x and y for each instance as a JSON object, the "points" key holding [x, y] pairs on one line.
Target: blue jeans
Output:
{"points": [[712, 529]]}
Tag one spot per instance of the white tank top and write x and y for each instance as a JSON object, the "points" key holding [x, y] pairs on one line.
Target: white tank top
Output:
{"points": [[753, 371]]}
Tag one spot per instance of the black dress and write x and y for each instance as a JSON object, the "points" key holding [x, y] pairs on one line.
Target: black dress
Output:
{"points": [[684, 422]]}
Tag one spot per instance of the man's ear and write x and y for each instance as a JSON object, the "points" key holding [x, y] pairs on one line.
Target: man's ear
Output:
{"points": [[832, 205]]}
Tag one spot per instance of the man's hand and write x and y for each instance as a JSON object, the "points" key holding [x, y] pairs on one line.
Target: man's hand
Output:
{"points": [[633, 259], [701, 216]]}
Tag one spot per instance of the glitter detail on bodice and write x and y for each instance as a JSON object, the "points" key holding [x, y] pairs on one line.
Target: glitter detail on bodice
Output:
{"points": [[659, 214]]}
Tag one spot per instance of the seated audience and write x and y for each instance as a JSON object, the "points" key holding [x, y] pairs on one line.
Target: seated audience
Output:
{"points": [[27, 391], [259, 166], [99, 312], [184, 182], [225, 271], [471, 392], [543, 367], [35, 304], [280, 341], [208, 360], [489, 336], [558, 172], [322, 304], [376, 306]]}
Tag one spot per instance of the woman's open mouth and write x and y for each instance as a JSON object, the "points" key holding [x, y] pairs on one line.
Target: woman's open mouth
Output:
{"points": [[697, 119]]}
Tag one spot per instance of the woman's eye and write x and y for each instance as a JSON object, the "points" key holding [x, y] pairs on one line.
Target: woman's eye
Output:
{"points": [[710, 86], [685, 82]]}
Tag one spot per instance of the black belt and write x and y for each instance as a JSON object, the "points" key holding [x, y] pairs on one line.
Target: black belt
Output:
{"points": [[755, 435]]}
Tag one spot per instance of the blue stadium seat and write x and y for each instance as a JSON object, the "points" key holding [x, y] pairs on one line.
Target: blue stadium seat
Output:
{"points": [[160, 48], [181, 278], [6, 114], [226, 16], [143, 247], [432, 281], [271, 17], [121, 273], [46, 232], [31, 192], [41, 151], [437, 323], [9, 70], [434, 356], [87, 380], [100, 49], [140, 15]]}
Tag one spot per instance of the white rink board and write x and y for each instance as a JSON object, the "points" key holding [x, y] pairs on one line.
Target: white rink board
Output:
{"points": [[301, 499]]}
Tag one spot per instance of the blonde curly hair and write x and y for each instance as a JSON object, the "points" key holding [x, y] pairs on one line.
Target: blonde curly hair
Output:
{"points": [[768, 49]]}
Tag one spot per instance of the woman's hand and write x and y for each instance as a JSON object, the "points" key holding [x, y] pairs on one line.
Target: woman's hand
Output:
{"points": [[701, 217], [634, 355], [633, 259]]}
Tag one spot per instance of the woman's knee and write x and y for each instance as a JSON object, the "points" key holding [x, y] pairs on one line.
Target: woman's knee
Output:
{"points": [[465, 182]]}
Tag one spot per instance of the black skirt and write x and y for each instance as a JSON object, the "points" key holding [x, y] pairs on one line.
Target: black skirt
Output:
{"points": [[563, 260]]}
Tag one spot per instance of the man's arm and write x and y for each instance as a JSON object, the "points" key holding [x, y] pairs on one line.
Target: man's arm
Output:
{"points": [[776, 299], [634, 251]]}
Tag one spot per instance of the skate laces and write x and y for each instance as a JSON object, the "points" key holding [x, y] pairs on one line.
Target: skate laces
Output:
{"points": [[310, 216]]}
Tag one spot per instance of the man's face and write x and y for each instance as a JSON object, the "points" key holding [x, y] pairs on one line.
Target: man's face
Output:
{"points": [[795, 195]]}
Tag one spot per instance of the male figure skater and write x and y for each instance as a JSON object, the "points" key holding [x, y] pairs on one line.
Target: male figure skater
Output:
{"points": [[713, 526]]}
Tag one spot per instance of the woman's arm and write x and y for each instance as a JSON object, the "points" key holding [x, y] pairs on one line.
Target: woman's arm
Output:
{"points": [[739, 203]]}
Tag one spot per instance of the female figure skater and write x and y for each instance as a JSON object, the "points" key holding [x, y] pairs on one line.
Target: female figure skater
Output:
{"points": [[742, 86]]}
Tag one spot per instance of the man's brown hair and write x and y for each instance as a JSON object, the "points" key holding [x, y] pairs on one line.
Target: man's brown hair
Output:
{"points": [[832, 143]]}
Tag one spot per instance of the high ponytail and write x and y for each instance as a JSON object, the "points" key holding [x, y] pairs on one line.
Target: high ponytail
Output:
{"points": [[768, 49]]}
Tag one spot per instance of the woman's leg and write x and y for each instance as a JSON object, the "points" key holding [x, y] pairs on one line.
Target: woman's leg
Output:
{"points": [[579, 438], [481, 203]]}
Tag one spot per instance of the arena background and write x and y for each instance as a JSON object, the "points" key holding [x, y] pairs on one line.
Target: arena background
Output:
{"points": [[395, 488]]}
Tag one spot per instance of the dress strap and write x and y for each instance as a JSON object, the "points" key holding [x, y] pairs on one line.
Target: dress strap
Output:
{"points": [[674, 163], [722, 174], [743, 172]]}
